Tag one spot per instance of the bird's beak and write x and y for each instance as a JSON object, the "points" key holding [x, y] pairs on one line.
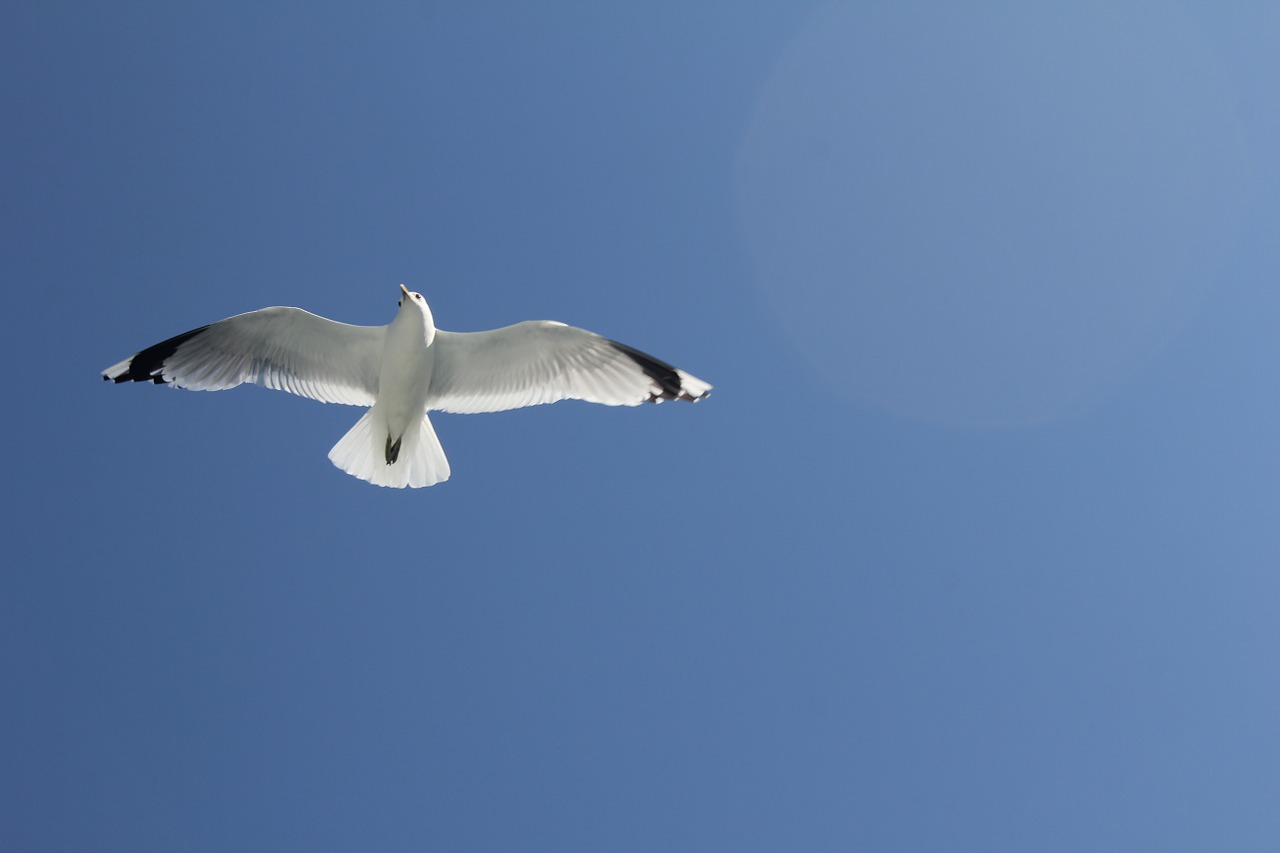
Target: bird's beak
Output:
{"points": [[404, 290]]}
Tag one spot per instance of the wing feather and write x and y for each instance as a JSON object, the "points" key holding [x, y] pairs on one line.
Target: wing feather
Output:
{"points": [[286, 349], [541, 361]]}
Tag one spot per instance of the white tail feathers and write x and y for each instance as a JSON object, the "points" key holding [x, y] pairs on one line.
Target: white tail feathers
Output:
{"points": [[362, 453]]}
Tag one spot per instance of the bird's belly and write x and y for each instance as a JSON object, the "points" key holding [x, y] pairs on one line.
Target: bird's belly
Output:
{"points": [[402, 388]]}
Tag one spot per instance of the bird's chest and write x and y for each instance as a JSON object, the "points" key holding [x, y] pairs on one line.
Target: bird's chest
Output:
{"points": [[405, 375]]}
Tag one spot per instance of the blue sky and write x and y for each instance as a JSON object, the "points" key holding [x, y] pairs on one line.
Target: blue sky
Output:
{"points": [[973, 548]]}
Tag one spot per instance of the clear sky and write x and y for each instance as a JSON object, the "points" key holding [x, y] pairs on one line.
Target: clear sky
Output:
{"points": [[973, 548]]}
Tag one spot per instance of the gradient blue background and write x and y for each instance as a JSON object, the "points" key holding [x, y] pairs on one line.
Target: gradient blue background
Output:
{"points": [[973, 548]]}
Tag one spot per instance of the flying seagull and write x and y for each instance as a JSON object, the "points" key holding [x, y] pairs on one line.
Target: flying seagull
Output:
{"points": [[403, 370]]}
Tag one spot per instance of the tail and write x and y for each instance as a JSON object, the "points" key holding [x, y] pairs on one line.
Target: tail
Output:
{"points": [[418, 457]]}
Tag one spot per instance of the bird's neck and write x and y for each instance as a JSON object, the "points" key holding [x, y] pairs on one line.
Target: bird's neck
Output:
{"points": [[414, 325]]}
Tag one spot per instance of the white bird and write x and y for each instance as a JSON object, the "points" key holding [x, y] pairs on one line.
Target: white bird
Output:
{"points": [[403, 370]]}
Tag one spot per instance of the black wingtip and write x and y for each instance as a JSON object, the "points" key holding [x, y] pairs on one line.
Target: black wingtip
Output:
{"points": [[147, 365], [664, 375]]}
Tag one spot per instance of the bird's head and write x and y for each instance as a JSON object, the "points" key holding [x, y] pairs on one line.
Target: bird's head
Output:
{"points": [[412, 301], [411, 296]]}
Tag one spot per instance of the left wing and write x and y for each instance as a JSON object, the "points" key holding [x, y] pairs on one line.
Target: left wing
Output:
{"points": [[541, 361]]}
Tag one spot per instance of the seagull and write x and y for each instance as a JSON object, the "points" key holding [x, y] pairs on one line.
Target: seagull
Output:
{"points": [[404, 370]]}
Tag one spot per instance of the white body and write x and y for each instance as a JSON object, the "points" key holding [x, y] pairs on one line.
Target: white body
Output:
{"points": [[403, 370]]}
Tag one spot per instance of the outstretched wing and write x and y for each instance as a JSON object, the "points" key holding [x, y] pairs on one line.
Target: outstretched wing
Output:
{"points": [[541, 361], [286, 349]]}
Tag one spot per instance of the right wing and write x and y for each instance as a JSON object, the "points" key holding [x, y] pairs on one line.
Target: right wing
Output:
{"points": [[286, 349]]}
